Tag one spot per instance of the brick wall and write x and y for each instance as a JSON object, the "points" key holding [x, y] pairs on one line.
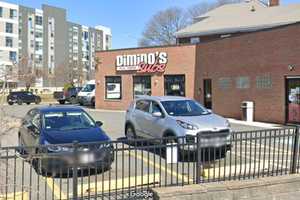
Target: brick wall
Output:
{"points": [[181, 60], [253, 54]]}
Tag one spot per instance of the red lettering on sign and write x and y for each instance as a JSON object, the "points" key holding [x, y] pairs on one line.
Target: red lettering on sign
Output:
{"points": [[151, 68]]}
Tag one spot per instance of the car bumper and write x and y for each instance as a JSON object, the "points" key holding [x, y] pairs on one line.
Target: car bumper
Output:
{"points": [[64, 162]]}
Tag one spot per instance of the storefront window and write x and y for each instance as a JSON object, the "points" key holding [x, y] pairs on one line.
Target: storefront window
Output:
{"points": [[113, 87], [175, 85], [141, 85]]}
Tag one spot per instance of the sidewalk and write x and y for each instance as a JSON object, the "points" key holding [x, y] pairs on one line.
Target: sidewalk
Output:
{"points": [[256, 124]]}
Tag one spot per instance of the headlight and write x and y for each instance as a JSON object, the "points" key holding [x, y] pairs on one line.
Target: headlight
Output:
{"points": [[186, 125], [57, 148]]}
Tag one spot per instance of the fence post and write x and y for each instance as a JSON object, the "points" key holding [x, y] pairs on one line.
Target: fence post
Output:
{"points": [[199, 160], [75, 170], [295, 151]]}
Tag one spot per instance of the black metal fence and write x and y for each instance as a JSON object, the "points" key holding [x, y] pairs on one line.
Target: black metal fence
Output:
{"points": [[128, 169]]}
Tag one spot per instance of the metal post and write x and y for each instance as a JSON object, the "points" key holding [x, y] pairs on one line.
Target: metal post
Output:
{"points": [[295, 151], [199, 160], [75, 170]]}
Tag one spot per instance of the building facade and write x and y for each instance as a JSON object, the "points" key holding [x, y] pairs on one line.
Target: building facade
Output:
{"points": [[8, 41], [262, 67], [47, 49]]}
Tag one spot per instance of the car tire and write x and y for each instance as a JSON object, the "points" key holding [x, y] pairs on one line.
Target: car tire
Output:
{"points": [[62, 101], [10, 103], [37, 101], [19, 102], [130, 132], [73, 100], [93, 102], [28, 103]]}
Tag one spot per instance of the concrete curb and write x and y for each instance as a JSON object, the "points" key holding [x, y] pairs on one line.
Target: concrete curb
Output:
{"points": [[257, 124]]}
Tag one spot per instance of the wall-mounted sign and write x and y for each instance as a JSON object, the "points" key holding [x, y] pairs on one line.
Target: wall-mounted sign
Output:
{"points": [[143, 63]]}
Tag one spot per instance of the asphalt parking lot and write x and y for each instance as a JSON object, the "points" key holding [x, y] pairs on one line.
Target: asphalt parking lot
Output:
{"points": [[131, 166]]}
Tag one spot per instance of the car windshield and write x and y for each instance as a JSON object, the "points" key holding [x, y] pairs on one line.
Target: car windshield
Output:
{"points": [[88, 88], [63, 121], [184, 108]]}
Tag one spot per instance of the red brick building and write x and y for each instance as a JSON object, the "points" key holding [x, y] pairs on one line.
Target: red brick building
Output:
{"points": [[258, 65]]}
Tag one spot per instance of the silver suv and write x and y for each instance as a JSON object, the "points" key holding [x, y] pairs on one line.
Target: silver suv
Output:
{"points": [[157, 117]]}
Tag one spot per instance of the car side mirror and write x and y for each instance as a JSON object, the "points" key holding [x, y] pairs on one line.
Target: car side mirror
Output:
{"points": [[157, 114], [99, 123]]}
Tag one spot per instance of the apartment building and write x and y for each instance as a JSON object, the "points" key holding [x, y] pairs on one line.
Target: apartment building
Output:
{"points": [[8, 41], [47, 50]]}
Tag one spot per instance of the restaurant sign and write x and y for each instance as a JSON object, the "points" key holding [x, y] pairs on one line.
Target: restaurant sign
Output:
{"points": [[143, 63]]}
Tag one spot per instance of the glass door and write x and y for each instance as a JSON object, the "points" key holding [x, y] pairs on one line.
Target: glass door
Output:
{"points": [[207, 93], [293, 100]]}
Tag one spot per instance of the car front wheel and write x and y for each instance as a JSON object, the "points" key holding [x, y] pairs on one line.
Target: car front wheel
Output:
{"points": [[130, 132], [37, 101], [19, 102]]}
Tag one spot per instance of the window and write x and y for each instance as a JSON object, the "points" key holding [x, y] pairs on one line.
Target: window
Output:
{"points": [[175, 85], [264, 81], [9, 28], [12, 13], [242, 82], [8, 41], [36, 120], [195, 40], [143, 105], [13, 56], [113, 87], [1, 12], [141, 85], [30, 25], [155, 108], [224, 83], [38, 34], [184, 108], [39, 20]]}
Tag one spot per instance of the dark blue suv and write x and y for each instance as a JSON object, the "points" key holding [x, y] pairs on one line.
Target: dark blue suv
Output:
{"points": [[51, 130]]}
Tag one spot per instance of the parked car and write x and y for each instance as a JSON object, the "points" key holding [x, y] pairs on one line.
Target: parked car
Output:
{"points": [[23, 97], [58, 126], [159, 117], [68, 95], [87, 94]]}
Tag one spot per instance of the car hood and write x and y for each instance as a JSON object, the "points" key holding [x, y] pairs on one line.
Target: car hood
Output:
{"points": [[205, 122], [82, 135]]}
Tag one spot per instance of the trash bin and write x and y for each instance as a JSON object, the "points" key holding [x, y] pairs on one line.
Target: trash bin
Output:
{"points": [[247, 111]]}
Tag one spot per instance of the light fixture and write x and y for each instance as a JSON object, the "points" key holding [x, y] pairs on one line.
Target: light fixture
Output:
{"points": [[291, 67]]}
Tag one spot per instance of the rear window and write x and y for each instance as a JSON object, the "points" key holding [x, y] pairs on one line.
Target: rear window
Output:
{"points": [[143, 105]]}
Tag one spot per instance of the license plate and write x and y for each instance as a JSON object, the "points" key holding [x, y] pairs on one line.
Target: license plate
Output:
{"points": [[87, 158], [214, 142]]}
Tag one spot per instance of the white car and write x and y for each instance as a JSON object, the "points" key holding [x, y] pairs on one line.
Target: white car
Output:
{"points": [[86, 96]]}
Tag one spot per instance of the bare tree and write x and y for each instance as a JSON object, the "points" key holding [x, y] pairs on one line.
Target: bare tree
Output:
{"points": [[161, 29], [205, 6]]}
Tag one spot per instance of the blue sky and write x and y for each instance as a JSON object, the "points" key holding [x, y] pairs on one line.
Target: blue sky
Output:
{"points": [[127, 18]]}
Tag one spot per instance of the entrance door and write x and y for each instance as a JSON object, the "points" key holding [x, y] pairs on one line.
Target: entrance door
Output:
{"points": [[293, 100], [207, 93]]}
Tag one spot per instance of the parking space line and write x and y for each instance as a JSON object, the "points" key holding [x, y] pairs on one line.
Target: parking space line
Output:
{"points": [[171, 172], [55, 188], [221, 172], [15, 196], [110, 185]]}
